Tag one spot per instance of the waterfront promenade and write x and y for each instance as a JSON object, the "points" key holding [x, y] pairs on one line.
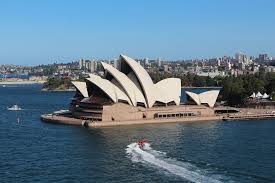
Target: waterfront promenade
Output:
{"points": [[59, 119], [243, 114]]}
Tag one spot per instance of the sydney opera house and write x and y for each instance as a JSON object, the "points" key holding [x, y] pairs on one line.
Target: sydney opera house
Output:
{"points": [[129, 94]]}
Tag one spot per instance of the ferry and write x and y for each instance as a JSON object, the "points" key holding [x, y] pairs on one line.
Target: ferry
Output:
{"points": [[14, 108]]}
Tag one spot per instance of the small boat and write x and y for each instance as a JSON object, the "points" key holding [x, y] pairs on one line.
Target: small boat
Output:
{"points": [[141, 143], [14, 108], [60, 112]]}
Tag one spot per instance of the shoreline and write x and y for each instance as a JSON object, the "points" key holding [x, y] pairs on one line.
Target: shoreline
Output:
{"points": [[57, 90], [154, 121], [19, 82], [69, 120], [57, 119], [203, 87]]}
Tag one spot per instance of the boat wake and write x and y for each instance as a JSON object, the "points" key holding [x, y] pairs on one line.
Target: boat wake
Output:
{"points": [[157, 159]]}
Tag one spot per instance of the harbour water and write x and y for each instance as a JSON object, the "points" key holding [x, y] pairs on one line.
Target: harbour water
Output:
{"points": [[32, 151]]}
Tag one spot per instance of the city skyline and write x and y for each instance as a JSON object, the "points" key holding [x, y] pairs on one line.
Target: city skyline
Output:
{"points": [[34, 33], [261, 57]]}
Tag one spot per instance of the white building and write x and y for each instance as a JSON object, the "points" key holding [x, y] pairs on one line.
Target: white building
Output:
{"points": [[81, 64], [208, 98], [131, 84], [159, 62]]}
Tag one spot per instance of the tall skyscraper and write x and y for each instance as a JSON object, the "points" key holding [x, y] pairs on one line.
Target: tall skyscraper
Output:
{"points": [[159, 62], [242, 58], [238, 57], [228, 65], [146, 61], [165, 68], [92, 67], [115, 63], [81, 64], [87, 65], [263, 57], [95, 66], [219, 62]]}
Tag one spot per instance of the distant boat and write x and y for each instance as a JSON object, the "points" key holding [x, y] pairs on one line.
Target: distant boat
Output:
{"points": [[4, 86], [14, 108], [62, 112]]}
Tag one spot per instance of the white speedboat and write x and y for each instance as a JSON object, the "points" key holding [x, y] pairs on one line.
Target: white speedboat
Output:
{"points": [[60, 112], [14, 108]]}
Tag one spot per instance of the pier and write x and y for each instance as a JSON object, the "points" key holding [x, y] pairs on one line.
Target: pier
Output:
{"points": [[248, 116]]}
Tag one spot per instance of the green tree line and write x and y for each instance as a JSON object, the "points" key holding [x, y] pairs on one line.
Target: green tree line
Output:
{"points": [[234, 89], [58, 82]]}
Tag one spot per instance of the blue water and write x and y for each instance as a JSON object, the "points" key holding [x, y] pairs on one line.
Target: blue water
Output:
{"points": [[32, 151]]}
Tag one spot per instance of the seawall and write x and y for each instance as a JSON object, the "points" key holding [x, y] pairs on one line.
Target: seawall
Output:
{"points": [[57, 119], [155, 121]]}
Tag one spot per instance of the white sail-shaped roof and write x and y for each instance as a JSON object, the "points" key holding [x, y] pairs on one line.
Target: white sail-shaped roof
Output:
{"points": [[195, 97], [265, 96], [168, 90], [253, 95], [93, 75], [81, 87], [259, 95], [109, 89], [144, 79], [133, 85], [128, 86], [208, 97]]}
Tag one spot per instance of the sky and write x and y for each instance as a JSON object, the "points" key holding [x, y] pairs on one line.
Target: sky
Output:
{"points": [[36, 32]]}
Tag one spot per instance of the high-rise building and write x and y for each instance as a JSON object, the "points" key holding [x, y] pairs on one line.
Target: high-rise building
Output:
{"points": [[219, 62], [165, 68], [263, 57], [228, 65], [95, 66], [159, 62], [115, 63], [146, 61], [252, 58], [87, 65], [242, 58], [241, 66], [225, 59], [81, 64], [92, 67], [238, 57]]}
